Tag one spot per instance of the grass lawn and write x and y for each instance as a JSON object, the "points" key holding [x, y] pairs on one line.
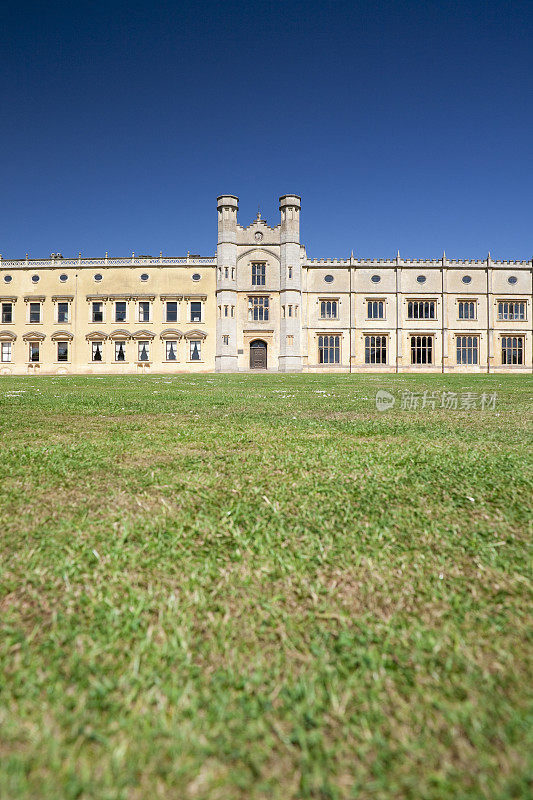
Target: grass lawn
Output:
{"points": [[261, 587]]}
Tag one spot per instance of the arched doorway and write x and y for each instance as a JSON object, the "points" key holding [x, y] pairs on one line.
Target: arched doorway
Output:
{"points": [[258, 354]]}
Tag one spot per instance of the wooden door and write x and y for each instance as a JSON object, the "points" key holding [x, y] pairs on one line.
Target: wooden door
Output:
{"points": [[258, 354]]}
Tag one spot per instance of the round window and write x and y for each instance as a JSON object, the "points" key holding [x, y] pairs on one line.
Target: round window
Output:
{"points": [[98, 277], [144, 276], [8, 278], [513, 279], [375, 278], [421, 279], [63, 278], [196, 276], [35, 278], [466, 279], [328, 278]]}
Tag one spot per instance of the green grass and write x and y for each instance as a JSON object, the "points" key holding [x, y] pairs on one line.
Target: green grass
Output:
{"points": [[261, 587]]}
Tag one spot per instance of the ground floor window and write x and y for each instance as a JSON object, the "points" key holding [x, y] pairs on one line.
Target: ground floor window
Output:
{"points": [[120, 351], [34, 351], [144, 351], [195, 350], [467, 349], [512, 349], [171, 347], [421, 349], [329, 350], [98, 351], [375, 349], [62, 351], [6, 351]]}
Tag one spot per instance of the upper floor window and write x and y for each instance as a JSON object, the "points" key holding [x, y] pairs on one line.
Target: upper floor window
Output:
{"points": [[512, 279], [63, 277], [97, 277], [290, 272], [35, 312], [258, 274], [97, 313], [225, 339], [376, 309], [62, 351], [196, 311], [421, 278], [144, 276], [421, 349], [171, 311], [512, 309], [329, 309], [62, 312], [7, 313], [375, 278], [258, 309], [144, 311], [467, 349], [35, 279], [512, 349], [121, 311], [196, 276], [8, 278], [375, 349], [329, 349], [467, 309], [421, 309], [5, 351]]}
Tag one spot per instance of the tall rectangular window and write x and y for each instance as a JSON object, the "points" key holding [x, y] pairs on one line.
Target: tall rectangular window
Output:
{"points": [[195, 350], [120, 350], [512, 309], [34, 351], [258, 274], [467, 349], [375, 349], [421, 309], [171, 311], [62, 312], [62, 351], [467, 309], [121, 311], [35, 312], [5, 351], [512, 349], [7, 313], [421, 349], [144, 350], [258, 309], [144, 311], [225, 339], [171, 349], [329, 309], [97, 314], [375, 309], [97, 351], [329, 351], [196, 311]]}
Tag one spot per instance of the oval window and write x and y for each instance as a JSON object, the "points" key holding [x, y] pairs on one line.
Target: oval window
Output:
{"points": [[98, 277], [35, 279], [375, 278], [328, 278], [196, 276], [513, 279], [63, 278], [144, 276], [8, 278], [466, 279], [421, 279]]}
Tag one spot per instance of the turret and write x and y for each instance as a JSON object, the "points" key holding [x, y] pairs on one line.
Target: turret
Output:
{"points": [[290, 284], [226, 345]]}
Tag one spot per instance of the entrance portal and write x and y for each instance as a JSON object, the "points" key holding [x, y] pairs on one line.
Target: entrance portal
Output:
{"points": [[258, 354]]}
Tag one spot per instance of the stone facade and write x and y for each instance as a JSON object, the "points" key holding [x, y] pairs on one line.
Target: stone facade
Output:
{"points": [[262, 304]]}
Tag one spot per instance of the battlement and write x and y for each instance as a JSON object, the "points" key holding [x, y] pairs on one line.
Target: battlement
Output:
{"points": [[139, 261]]}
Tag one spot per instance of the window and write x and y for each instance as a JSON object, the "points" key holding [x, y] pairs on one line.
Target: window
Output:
{"points": [[34, 351], [196, 311], [225, 340], [120, 350], [5, 351], [512, 309], [328, 278], [258, 309], [62, 351], [195, 349], [144, 311], [421, 309], [375, 278], [7, 312], [62, 312], [172, 311], [35, 279], [97, 312], [512, 280], [226, 311], [226, 272], [375, 349], [121, 309], [290, 341], [144, 276], [466, 279], [467, 349], [329, 349], [512, 349], [421, 278], [35, 312], [329, 309], [233, 311], [171, 349], [258, 274], [8, 278], [467, 309], [375, 309], [196, 276], [421, 349], [63, 278], [290, 272], [97, 277], [289, 311], [97, 351], [144, 351]]}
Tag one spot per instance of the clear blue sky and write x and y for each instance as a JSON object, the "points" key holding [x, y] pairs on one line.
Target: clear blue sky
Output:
{"points": [[401, 124]]}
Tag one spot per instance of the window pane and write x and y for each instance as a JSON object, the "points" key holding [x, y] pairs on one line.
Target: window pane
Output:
{"points": [[7, 312], [172, 311], [97, 351], [144, 311], [62, 312], [195, 350], [62, 351], [172, 350], [144, 351], [35, 312], [120, 311], [98, 312], [120, 351], [6, 351], [196, 311]]}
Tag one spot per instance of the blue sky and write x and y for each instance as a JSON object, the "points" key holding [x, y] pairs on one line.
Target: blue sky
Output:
{"points": [[402, 125]]}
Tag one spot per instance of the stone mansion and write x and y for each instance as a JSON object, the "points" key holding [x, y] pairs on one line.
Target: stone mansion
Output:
{"points": [[262, 304]]}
